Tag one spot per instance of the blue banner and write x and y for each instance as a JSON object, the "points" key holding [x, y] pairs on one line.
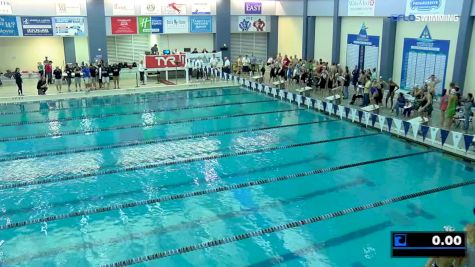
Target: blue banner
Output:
{"points": [[390, 123], [8, 26], [37, 26], [69, 26], [201, 24]]}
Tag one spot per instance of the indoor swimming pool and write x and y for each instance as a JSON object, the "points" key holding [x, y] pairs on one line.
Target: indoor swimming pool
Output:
{"points": [[152, 178]]}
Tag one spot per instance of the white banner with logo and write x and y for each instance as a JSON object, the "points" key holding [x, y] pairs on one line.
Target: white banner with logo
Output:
{"points": [[201, 8], [425, 7], [252, 24], [123, 7], [175, 24], [174, 8], [361, 8], [150, 7], [5, 7], [67, 8]]}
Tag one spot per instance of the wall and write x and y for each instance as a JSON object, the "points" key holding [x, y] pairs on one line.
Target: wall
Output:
{"points": [[25, 52], [438, 30], [82, 49], [180, 41], [41, 8], [352, 25], [470, 75], [386, 8], [320, 7], [323, 38], [138, 6], [290, 36]]}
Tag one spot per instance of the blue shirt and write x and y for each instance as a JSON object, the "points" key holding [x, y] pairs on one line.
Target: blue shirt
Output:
{"points": [[86, 72]]}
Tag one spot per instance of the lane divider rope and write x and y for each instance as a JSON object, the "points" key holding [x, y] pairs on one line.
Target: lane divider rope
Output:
{"points": [[106, 115], [140, 125], [170, 163], [154, 99], [200, 192], [282, 227], [157, 141]]}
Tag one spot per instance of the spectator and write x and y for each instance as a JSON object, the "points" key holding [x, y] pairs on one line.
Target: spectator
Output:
{"points": [[367, 89], [116, 76], [93, 71], [58, 78], [141, 69], [254, 65], [86, 74], [195, 51], [42, 86], [204, 51], [426, 105], [346, 83], [77, 77], [246, 65], [468, 104], [49, 71], [227, 65], [69, 76], [41, 69], [393, 87], [154, 49], [432, 82], [400, 103], [18, 81], [451, 107], [444, 101], [355, 75]]}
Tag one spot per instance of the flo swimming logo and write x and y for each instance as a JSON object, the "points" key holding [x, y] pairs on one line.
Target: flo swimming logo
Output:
{"points": [[425, 18]]}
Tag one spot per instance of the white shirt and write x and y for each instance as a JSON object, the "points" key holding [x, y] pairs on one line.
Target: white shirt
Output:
{"points": [[245, 61], [227, 63], [198, 63], [213, 62], [141, 68]]}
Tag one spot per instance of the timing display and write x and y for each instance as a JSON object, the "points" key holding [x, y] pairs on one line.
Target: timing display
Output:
{"points": [[428, 244]]}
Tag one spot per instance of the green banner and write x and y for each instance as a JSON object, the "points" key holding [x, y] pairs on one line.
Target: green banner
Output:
{"points": [[145, 24]]}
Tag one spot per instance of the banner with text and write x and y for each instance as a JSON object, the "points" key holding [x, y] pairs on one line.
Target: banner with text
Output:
{"points": [[175, 24], [69, 26], [173, 8], [200, 8], [8, 26], [151, 24], [361, 8], [68, 8], [37, 26], [252, 24], [150, 7], [425, 7], [123, 7], [124, 25], [201, 24], [6, 7], [165, 61]]}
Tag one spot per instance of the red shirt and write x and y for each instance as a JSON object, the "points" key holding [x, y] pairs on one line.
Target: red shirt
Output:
{"points": [[48, 68], [286, 62]]}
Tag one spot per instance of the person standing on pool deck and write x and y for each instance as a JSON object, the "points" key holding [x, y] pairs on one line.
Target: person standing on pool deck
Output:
{"points": [[393, 87], [451, 108], [18, 81], [116, 76], [58, 76]]}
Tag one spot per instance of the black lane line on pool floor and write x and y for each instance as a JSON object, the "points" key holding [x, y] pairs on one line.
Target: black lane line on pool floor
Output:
{"points": [[142, 125], [176, 162], [136, 93], [153, 99], [200, 192], [283, 227], [157, 141], [114, 114]]}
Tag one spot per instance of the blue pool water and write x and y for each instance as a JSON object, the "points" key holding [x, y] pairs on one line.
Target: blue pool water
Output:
{"points": [[76, 175]]}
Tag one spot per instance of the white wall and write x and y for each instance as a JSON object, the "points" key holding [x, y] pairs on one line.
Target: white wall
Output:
{"points": [[352, 25], [438, 30], [180, 41], [470, 75], [26, 52], [323, 38], [41, 8], [82, 49], [290, 36]]}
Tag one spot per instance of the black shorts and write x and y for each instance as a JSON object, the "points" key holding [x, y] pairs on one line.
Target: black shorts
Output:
{"points": [[245, 69]]}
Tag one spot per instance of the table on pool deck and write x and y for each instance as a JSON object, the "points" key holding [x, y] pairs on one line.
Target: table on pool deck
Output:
{"points": [[304, 90], [258, 78], [279, 84]]}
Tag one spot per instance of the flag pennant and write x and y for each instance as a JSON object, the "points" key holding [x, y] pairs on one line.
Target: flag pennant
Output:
{"points": [[360, 115], [468, 139], [424, 130], [347, 111], [373, 119], [406, 127], [381, 119], [456, 137], [433, 134], [443, 135], [390, 123], [398, 124], [341, 110], [330, 108], [324, 106], [367, 116], [335, 108], [415, 129]]}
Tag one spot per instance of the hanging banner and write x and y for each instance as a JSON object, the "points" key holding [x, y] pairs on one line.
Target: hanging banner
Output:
{"points": [[398, 124], [425, 7], [8, 26], [362, 50], [201, 24], [175, 25], [468, 139], [37, 26], [124, 25], [165, 61], [422, 57], [252, 24], [361, 8], [456, 137], [69, 26], [173, 8], [68, 8], [253, 8], [150, 7], [200, 8], [150, 24], [433, 134], [6, 7], [381, 120], [123, 7], [353, 115], [415, 129]]}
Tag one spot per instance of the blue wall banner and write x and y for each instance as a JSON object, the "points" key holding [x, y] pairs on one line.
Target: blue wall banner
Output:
{"points": [[37, 26], [69, 26], [201, 24], [362, 50], [425, 7], [422, 57], [8, 26]]}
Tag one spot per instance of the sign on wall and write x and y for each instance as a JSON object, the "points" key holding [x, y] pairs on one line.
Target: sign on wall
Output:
{"points": [[252, 24], [37, 26], [8, 26], [363, 8], [6, 7], [151, 24], [253, 8], [124, 25], [123, 7], [425, 7], [165, 61], [68, 8], [69, 26], [201, 24], [175, 24], [150, 7], [422, 57], [362, 50], [173, 8], [200, 8]]}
